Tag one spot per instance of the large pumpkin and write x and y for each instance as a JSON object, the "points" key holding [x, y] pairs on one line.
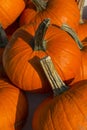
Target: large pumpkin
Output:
{"points": [[27, 45], [65, 111], [13, 106], [59, 11], [10, 10]]}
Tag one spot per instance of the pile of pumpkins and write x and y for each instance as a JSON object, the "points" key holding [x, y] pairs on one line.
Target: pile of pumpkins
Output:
{"points": [[30, 31]]}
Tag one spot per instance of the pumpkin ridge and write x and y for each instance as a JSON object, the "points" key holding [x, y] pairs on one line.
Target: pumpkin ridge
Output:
{"points": [[4, 12], [67, 119], [51, 118], [73, 98]]}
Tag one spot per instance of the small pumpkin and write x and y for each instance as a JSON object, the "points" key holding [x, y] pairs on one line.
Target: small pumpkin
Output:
{"points": [[65, 111], [28, 44], [13, 108], [59, 11], [10, 11]]}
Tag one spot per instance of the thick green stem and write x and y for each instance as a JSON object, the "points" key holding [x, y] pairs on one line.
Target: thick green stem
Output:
{"points": [[73, 34], [58, 86], [38, 41], [3, 37], [40, 4]]}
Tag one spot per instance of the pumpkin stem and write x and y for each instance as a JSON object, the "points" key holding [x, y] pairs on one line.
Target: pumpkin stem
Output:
{"points": [[40, 4], [3, 37], [81, 7], [58, 86], [38, 40], [73, 34]]}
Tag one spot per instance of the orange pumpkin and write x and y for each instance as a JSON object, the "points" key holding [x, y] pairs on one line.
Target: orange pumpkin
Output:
{"points": [[82, 72], [13, 108], [65, 111], [59, 11], [10, 10], [82, 31], [27, 45]]}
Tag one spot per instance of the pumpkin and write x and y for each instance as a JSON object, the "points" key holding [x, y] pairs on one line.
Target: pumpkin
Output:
{"points": [[13, 108], [10, 11], [65, 111], [82, 31], [59, 11], [28, 44], [82, 72]]}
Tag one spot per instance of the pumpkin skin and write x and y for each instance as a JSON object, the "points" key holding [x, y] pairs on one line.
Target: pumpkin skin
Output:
{"points": [[14, 106], [58, 14], [10, 10], [64, 112], [82, 44], [82, 73], [82, 31], [21, 59]]}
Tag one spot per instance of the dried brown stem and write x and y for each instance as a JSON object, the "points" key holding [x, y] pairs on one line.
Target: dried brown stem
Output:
{"points": [[40, 4], [58, 86], [69, 30]]}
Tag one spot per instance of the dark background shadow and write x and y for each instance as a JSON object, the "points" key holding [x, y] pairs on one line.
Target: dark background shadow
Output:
{"points": [[84, 13]]}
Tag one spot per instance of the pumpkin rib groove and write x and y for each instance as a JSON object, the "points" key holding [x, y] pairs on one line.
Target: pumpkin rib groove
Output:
{"points": [[82, 68], [22, 71], [22, 81], [73, 98], [68, 121], [70, 94], [5, 107], [4, 12], [52, 118]]}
